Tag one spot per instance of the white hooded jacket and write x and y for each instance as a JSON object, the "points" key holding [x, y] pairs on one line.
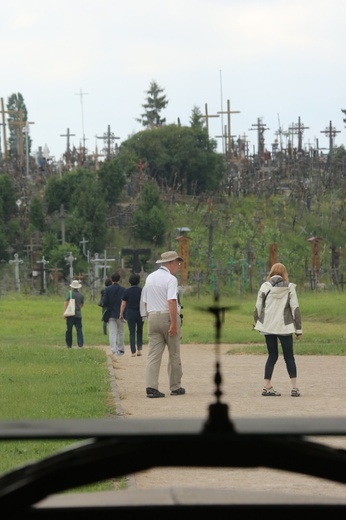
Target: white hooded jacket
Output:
{"points": [[277, 308]]}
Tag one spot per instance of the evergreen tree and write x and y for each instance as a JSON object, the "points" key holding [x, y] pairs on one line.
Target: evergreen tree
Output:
{"points": [[150, 218], [80, 192], [3, 245], [197, 120], [344, 112], [49, 242], [112, 180], [7, 197], [36, 214], [17, 119], [155, 102]]}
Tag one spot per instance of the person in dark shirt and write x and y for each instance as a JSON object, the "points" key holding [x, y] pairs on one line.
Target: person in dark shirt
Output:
{"points": [[104, 318], [75, 320], [130, 310], [112, 299]]}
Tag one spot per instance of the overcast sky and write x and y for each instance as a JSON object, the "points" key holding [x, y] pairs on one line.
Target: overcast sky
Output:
{"points": [[85, 64]]}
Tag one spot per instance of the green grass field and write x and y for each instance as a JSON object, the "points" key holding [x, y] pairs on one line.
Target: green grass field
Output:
{"points": [[41, 379]]}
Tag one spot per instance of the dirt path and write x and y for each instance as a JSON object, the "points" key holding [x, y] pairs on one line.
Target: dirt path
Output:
{"points": [[321, 380]]}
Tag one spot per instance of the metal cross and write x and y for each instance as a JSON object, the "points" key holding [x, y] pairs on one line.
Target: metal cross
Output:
{"points": [[218, 412], [97, 263], [43, 263], [16, 263], [70, 259]]}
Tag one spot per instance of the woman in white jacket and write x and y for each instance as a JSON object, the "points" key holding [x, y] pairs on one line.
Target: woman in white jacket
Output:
{"points": [[278, 317]]}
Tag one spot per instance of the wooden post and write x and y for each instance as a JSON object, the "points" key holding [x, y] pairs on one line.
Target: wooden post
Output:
{"points": [[315, 255], [273, 250], [183, 250]]}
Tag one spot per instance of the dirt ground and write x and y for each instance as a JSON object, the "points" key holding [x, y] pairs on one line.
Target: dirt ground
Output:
{"points": [[321, 380]]}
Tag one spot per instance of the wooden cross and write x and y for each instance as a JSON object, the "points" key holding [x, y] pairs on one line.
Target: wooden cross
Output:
{"points": [[68, 149], [19, 122], [260, 127], [136, 267], [3, 112], [108, 138], [299, 130], [207, 117], [21, 125], [331, 132], [229, 112], [56, 274]]}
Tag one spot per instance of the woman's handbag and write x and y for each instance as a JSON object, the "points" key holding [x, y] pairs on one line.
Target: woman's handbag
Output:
{"points": [[71, 307]]}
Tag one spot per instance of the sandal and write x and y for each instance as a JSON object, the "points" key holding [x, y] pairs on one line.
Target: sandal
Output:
{"points": [[295, 392], [270, 391]]}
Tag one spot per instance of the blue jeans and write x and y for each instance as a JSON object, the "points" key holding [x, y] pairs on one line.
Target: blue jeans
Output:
{"points": [[77, 322]]}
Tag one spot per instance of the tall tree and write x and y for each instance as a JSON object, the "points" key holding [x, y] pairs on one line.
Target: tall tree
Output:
{"points": [[155, 102], [17, 120], [179, 158], [81, 194], [197, 120], [343, 110], [112, 180], [150, 218], [36, 214], [7, 198]]}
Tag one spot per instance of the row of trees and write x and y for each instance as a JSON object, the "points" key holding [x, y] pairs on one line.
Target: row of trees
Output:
{"points": [[152, 170], [53, 216]]}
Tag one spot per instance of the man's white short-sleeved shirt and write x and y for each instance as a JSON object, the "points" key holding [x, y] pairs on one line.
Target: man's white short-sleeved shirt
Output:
{"points": [[160, 286]]}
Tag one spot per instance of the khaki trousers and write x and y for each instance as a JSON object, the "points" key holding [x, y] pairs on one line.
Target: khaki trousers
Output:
{"points": [[158, 338]]}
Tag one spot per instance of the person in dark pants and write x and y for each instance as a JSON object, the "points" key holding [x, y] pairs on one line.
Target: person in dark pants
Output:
{"points": [[75, 320], [130, 310], [277, 316], [108, 282]]}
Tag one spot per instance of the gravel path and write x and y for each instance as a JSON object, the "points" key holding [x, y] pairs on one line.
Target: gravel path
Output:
{"points": [[321, 380]]}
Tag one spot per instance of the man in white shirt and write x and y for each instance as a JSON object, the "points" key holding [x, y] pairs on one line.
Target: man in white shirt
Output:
{"points": [[160, 298]]}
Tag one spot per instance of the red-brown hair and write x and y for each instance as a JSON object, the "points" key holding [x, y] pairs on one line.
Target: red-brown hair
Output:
{"points": [[278, 269]]}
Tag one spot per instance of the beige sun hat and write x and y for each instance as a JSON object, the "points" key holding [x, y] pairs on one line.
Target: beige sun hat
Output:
{"points": [[75, 284], [169, 256]]}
